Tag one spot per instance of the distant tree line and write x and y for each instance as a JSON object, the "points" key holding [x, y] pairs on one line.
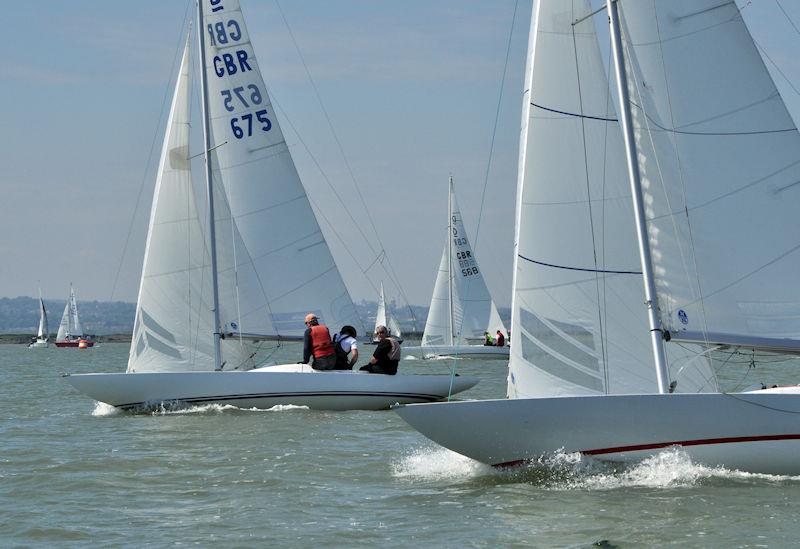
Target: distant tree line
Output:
{"points": [[21, 315]]}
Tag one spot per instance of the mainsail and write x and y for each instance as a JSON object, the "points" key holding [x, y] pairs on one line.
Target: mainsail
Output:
{"points": [[70, 325], [272, 261], [577, 314], [461, 307], [43, 328], [293, 270], [720, 165]]}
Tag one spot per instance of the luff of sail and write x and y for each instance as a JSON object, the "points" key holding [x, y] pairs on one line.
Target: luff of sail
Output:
{"points": [[461, 308], [720, 165], [579, 324], [293, 269]]}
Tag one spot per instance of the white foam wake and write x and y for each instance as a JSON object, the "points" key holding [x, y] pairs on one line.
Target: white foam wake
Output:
{"points": [[435, 462]]}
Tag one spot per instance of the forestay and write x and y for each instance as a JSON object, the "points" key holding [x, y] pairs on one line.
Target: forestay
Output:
{"points": [[580, 326], [719, 157]]}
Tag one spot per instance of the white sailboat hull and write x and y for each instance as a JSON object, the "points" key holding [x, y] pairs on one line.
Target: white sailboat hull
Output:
{"points": [[756, 432], [267, 387], [463, 351], [39, 344]]}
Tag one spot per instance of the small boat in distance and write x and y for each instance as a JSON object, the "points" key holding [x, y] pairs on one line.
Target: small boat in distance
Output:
{"points": [[42, 338], [70, 332], [462, 310], [387, 319]]}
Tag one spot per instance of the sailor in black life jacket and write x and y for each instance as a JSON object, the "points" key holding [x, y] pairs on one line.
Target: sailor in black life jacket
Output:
{"points": [[386, 356], [346, 348]]}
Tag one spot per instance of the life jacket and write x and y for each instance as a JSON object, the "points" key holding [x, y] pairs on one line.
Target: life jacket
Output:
{"points": [[342, 356], [394, 354], [321, 341]]}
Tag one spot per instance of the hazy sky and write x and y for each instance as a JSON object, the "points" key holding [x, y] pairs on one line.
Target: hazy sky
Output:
{"points": [[411, 88]]}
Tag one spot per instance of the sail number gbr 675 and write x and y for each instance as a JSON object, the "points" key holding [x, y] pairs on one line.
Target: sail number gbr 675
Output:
{"points": [[227, 33]]}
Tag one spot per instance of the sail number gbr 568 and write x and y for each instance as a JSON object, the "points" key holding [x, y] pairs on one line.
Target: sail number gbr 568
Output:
{"points": [[226, 33]]}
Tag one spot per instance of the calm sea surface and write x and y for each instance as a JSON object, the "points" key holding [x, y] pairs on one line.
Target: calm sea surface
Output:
{"points": [[76, 473]]}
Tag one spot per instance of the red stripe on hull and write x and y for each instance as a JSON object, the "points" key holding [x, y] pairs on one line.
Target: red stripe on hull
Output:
{"points": [[700, 442], [659, 445]]}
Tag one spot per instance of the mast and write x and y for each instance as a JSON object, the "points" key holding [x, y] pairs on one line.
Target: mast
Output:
{"points": [[450, 259], [651, 298], [209, 188]]}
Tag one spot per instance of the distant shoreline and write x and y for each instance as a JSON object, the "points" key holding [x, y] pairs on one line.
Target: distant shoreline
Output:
{"points": [[24, 339]]}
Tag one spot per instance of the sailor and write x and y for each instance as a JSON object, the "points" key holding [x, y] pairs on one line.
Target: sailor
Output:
{"points": [[386, 357], [488, 341], [317, 343], [346, 348], [500, 340]]}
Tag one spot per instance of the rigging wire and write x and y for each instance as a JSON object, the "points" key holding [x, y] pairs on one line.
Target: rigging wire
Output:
{"points": [[390, 271], [184, 22], [486, 178]]}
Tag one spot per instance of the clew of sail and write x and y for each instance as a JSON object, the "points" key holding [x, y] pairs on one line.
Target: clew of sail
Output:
{"points": [[720, 166], [270, 214], [577, 310]]}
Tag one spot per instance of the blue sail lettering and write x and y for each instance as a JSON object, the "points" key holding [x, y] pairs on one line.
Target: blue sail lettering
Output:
{"points": [[222, 33], [216, 5], [226, 64]]}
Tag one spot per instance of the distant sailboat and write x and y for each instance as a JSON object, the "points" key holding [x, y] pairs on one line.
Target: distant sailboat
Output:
{"points": [[385, 318], [693, 190], [462, 310], [43, 335], [210, 296], [70, 332]]}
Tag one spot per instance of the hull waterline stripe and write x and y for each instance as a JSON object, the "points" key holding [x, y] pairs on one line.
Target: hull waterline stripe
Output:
{"points": [[699, 442], [196, 400], [659, 445]]}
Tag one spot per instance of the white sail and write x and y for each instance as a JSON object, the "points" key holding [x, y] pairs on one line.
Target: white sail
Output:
{"points": [[461, 306], [384, 317], [495, 322], [265, 197], [63, 326], [75, 321], [380, 315], [578, 323], [173, 326], [719, 157], [43, 328]]}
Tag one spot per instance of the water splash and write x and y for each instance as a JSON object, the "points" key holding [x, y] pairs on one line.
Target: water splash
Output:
{"points": [[435, 463], [101, 409]]}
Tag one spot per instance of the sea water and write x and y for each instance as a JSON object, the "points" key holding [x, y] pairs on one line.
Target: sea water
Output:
{"points": [[77, 473]]}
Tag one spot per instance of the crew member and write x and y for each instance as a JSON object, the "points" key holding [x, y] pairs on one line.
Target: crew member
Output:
{"points": [[317, 344], [386, 356], [346, 348], [500, 340]]}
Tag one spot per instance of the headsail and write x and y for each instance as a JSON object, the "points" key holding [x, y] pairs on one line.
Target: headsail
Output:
{"points": [[281, 241], [579, 327], [43, 328], [720, 161]]}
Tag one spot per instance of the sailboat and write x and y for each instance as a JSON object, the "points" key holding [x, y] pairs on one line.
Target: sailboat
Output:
{"points": [[385, 318], [213, 295], [70, 332], [43, 335], [462, 310], [711, 159]]}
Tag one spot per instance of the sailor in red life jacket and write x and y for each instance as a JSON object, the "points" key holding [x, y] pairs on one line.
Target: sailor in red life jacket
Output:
{"points": [[500, 340], [317, 343]]}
